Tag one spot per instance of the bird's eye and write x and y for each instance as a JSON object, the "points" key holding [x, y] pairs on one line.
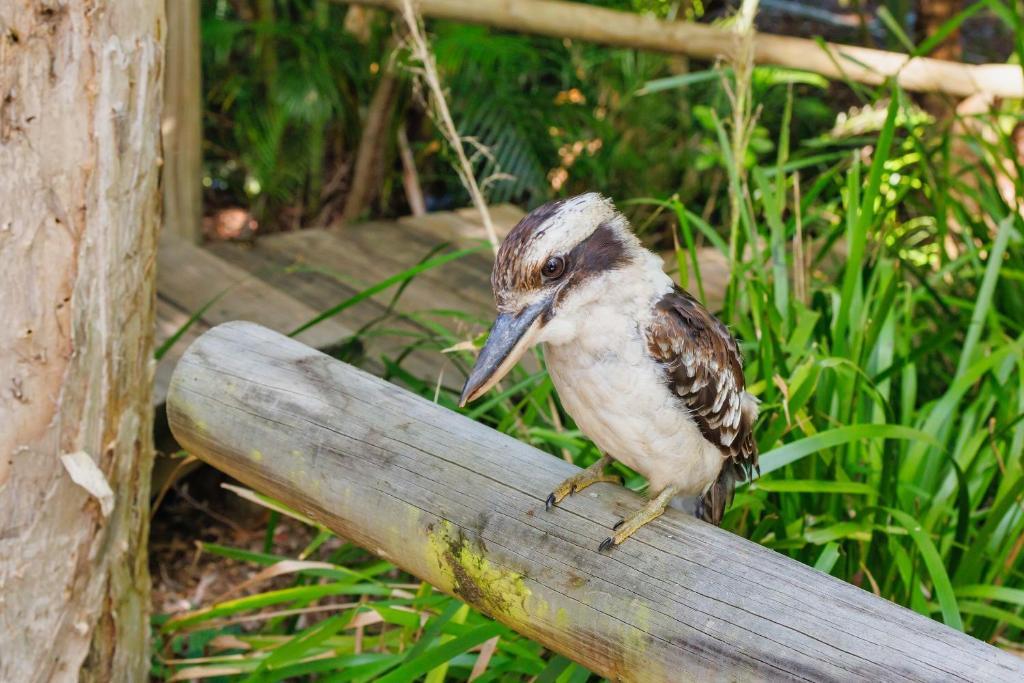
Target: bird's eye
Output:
{"points": [[553, 268]]}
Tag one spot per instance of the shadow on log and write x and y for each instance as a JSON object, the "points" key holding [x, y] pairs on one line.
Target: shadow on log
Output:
{"points": [[461, 506]]}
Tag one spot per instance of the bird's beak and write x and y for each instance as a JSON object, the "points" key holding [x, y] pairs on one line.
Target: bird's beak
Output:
{"points": [[511, 335]]}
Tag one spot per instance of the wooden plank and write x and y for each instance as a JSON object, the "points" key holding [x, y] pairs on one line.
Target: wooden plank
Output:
{"points": [[443, 226], [182, 124], [504, 216], [322, 270], [190, 277], [374, 251], [628, 29], [464, 226], [431, 491]]}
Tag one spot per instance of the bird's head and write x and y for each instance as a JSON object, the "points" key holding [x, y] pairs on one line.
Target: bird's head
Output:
{"points": [[547, 271]]}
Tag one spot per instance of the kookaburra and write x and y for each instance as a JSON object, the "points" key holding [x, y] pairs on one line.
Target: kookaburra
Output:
{"points": [[644, 369]]}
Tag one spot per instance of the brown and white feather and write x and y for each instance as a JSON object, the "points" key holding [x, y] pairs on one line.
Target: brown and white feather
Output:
{"points": [[704, 367]]}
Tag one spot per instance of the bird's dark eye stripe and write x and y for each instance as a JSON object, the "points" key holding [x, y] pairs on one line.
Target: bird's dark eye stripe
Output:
{"points": [[553, 268]]}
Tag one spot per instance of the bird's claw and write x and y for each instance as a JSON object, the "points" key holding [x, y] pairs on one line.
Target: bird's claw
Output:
{"points": [[580, 481], [559, 494], [627, 526]]}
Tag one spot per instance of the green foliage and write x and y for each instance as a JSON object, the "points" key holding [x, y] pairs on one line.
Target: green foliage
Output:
{"points": [[286, 98], [283, 89], [904, 333]]}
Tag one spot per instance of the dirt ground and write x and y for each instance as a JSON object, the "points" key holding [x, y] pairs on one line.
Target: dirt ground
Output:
{"points": [[199, 510]]}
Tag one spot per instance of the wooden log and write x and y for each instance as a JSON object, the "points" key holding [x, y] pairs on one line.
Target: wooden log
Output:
{"points": [[182, 124], [626, 29], [462, 506]]}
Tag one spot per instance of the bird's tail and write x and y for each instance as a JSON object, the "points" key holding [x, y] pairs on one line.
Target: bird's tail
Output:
{"points": [[711, 506]]}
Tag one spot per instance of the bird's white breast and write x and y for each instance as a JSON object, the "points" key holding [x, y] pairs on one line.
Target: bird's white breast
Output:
{"points": [[618, 395]]}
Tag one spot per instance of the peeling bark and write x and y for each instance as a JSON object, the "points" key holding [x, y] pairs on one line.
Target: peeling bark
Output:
{"points": [[80, 97]]}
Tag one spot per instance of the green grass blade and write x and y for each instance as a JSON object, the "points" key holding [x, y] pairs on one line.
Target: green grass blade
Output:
{"points": [[791, 452], [984, 301], [996, 614], [438, 674], [828, 558], [815, 486], [192, 319], [383, 285], [437, 655], [941, 584], [298, 645], [284, 595], [1014, 596]]}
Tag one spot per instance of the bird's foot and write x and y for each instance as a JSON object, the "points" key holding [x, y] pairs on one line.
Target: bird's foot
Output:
{"points": [[627, 527], [582, 480]]}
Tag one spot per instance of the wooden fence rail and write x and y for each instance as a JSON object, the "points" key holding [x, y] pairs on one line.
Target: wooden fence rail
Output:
{"points": [[627, 29], [460, 505]]}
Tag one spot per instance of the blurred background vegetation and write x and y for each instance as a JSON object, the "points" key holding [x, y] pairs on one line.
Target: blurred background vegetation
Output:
{"points": [[877, 286]]}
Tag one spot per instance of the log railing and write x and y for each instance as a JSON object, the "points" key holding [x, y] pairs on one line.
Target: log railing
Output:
{"points": [[461, 506], [627, 29]]}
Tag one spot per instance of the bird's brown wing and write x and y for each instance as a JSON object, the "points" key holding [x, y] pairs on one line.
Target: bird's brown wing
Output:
{"points": [[704, 368]]}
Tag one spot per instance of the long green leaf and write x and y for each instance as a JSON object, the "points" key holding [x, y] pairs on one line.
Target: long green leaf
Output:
{"points": [[941, 584], [791, 452], [984, 300], [435, 656]]}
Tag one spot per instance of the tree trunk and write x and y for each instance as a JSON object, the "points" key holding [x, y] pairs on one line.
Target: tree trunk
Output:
{"points": [[369, 165], [80, 96]]}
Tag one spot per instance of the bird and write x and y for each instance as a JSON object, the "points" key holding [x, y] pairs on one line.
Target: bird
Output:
{"points": [[646, 372]]}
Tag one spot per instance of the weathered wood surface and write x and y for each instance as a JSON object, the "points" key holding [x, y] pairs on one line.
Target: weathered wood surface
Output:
{"points": [[462, 506], [182, 124], [628, 29]]}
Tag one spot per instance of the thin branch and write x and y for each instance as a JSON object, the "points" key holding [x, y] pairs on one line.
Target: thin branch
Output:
{"points": [[442, 116]]}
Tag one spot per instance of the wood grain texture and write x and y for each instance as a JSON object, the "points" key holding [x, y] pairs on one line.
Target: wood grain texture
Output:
{"points": [[461, 506], [320, 270], [628, 29], [190, 277]]}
